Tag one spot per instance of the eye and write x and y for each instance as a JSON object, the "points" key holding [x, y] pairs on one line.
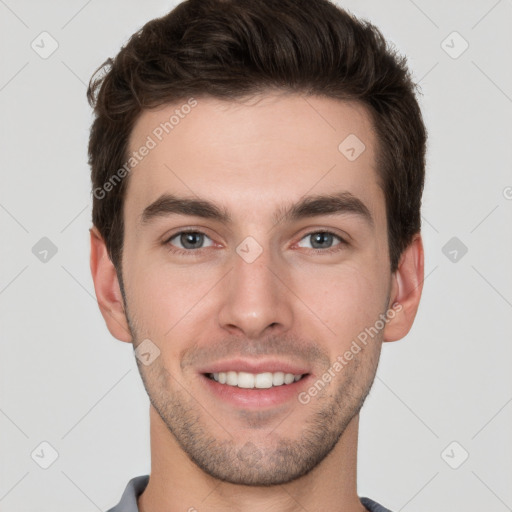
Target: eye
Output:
{"points": [[322, 241], [188, 240]]}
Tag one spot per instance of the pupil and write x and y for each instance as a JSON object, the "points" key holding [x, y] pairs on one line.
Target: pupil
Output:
{"points": [[321, 237], [187, 238]]}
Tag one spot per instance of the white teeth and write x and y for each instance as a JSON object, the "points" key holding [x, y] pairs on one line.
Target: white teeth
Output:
{"points": [[263, 380], [278, 379], [245, 380], [231, 378], [288, 378], [251, 380]]}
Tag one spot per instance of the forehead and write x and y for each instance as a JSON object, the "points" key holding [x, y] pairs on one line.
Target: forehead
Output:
{"points": [[255, 153]]}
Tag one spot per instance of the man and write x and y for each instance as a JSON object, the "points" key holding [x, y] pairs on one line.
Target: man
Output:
{"points": [[257, 170]]}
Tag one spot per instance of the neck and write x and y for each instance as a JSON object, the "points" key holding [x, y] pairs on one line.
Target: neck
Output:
{"points": [[176, 483]]}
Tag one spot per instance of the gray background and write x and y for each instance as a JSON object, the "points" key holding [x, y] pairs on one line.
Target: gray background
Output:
{"points": [[64, 379]]}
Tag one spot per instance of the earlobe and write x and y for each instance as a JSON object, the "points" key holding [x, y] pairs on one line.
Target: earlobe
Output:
{"points": [[106, 286], [406, 291]]}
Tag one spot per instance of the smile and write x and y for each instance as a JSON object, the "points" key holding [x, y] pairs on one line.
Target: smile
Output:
{"points": [[254, 380]]}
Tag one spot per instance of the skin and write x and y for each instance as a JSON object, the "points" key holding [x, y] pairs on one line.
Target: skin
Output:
{"points": [[291, 303]]}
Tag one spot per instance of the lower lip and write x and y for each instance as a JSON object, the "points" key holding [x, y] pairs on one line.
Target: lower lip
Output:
{"points": [[258, 397]]}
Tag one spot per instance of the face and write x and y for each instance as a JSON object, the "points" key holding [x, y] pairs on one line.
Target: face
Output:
{"points": [[283, 264]]}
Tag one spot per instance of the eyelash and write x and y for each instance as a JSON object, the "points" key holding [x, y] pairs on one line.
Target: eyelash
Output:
{"points": [[198, 252]]}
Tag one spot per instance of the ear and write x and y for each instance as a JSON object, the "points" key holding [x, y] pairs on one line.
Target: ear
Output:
{"points": [[407, 285], [108, 292]]}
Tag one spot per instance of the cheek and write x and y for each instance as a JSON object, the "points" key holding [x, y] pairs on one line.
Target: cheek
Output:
{"points": [[164, 296], [347, 298]]}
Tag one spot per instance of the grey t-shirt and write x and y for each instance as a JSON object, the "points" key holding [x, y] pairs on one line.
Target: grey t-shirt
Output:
{"points": [[137, 485]]}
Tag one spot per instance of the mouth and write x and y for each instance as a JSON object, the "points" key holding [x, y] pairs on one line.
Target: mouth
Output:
{"points": [[246, 380], [255, 391], [255, 383]]}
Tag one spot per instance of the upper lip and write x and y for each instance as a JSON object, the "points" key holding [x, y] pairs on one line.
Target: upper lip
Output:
{"points": [[254, 366]]}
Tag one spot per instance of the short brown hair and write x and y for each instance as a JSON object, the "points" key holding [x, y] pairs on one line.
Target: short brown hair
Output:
{"points": [[231, 49]]}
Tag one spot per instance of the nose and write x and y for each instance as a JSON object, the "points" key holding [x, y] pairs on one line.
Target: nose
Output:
{"points": [[256, 298]]}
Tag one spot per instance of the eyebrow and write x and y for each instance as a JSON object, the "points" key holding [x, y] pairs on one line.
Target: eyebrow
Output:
{"points": [[340, 203]]}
